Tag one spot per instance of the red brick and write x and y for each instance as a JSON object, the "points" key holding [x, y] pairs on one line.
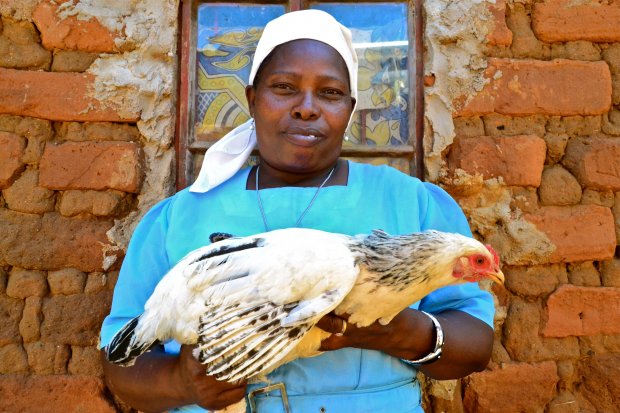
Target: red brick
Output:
{"points": [[595, 162], [72, 33], [568, 20], [574, 125], [501, 34], [556, 144], [3, 280], [503, 390], [519, 160], [604, 198], [581, 311], [53, 394], [10, 313], [522, 339], [616, 211], [579, 233], [611, 120], [85, 360], [18, 9], [97, 131], [584, 274], [25, 195], [469, 127], [66, 281], [52, 242], [47, 358], [36, 131], [95, 282], [601, 381], [611, 55], [429, 80], [599, 344], [610, 273], [566, 371], [29, 326], [534, 280], [26, 283], [12, 149], [99, 203], [74, 319], [524, 45], [565, 402], [46, 95], [502, 125], [91, 165], [559, 187], [72, 61], [579, 50], [13, 359], [21, 48], [529, 87]]}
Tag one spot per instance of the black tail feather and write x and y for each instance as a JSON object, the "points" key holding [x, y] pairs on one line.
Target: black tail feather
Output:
{"points": [[121, 350]]}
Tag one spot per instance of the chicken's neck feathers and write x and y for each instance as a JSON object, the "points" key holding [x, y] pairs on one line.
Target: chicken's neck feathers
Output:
{"points": [[420, 255], [404, 268]]}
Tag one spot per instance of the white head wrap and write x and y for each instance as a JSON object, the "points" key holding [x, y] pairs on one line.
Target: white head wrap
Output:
{"points": [[228, 155]]}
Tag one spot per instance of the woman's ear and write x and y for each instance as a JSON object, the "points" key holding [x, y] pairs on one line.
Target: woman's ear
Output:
{"points": [[250, 95]]}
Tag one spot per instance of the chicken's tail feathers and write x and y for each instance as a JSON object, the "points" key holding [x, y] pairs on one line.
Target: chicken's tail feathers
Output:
{"points": [[124, 348]]}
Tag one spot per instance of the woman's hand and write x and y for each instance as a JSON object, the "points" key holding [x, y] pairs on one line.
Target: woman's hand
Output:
{"points": [[205, 391], [411, 336], [159, 381], [387, 338]]}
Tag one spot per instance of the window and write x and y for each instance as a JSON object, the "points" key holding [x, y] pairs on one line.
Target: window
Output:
{"points": [[218, 42]]}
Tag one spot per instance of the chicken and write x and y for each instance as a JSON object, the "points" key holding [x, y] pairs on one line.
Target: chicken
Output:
{"points": [[251, 304]]}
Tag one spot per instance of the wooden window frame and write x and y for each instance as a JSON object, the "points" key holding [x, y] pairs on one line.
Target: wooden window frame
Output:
{"points": [[184, 125]]}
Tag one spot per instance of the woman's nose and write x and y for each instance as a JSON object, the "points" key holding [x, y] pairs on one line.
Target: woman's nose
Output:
{"points": [[306, 108]]}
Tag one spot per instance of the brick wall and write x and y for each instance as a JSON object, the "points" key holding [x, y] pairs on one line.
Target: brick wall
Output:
{"points": [[75, 171], [535, 162]]}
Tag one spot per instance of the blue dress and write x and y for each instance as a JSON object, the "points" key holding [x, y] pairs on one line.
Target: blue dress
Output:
{"points": [[375, 197]]}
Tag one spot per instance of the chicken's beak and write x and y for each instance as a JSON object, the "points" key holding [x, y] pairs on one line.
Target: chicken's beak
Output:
{"points": [[497, 277]]}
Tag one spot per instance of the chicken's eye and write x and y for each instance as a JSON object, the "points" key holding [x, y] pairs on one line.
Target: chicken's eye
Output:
{"points": [[480, 260]]}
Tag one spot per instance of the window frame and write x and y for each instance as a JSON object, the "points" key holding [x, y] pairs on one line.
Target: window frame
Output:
{"points": [[185, 148]]}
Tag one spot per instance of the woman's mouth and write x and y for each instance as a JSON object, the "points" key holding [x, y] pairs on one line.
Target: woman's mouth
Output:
{"points": [[302, 138]]}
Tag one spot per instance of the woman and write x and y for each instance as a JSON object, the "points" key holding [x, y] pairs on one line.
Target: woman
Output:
{"points": [[301, 96]]}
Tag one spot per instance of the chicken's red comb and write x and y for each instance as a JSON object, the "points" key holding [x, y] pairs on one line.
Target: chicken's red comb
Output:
{"points": [[493, 253]]}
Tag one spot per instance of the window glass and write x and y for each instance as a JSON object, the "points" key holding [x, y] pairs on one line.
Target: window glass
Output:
{"points": [[380, 38], [227, 38]]}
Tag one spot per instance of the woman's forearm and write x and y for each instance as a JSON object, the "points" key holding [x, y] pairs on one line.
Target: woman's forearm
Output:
{"points": [[467, 347], [468, 342], [411, 336]]}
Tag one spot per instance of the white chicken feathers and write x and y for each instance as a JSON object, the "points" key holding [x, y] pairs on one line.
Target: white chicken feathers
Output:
{"points": [[251, 304]]}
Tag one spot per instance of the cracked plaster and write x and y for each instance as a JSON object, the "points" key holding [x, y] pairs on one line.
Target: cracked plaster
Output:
{"points": [[488, 207], [456, 34], [455, 39], [140, 79]]}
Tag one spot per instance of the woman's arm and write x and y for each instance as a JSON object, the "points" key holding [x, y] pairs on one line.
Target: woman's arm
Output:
{"points": [[411, 336], [160, 381]]}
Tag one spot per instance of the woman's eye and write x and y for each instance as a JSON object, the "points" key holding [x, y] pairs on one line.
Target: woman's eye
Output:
{"points": [[282, 86], [333, 93]]}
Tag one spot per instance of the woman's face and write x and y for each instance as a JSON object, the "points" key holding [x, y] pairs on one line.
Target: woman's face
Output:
{"points": [[301, 103]]}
